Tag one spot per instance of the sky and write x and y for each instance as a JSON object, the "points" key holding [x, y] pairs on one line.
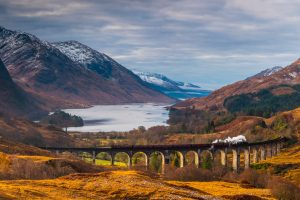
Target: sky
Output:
{"points": [[208, 42]]}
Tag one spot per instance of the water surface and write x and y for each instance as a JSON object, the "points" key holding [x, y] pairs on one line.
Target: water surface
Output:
{"points": [[120, 117]]}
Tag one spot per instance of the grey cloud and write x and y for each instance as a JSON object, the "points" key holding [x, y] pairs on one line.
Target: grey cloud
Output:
{"points": [[208, 42]]}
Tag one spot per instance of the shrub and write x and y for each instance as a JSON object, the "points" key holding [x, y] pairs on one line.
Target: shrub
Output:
{"points": [[192, 173], [28, 169], [189, 173], [4, 162], [254, 178], [283, 190], [231, 177]]}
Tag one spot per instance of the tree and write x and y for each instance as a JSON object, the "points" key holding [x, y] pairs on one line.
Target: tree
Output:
{"points": [[63, 120]]}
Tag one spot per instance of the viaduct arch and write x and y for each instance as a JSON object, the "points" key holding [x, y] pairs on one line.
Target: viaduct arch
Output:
{"points": [[252, 152]]}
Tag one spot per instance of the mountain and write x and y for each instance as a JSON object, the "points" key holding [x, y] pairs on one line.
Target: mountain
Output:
{"points": [[174, 89], [70, 74], [13, 100], [89, 58], [289, 75], [267, 72]]}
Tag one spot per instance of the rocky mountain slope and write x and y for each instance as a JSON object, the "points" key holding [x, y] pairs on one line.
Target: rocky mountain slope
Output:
{"points": [[287, 75], [62, 77], [174, 89], [13, 100]]}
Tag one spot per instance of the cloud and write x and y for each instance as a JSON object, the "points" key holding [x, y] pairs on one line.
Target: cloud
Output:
{"points": [[208, 42]]}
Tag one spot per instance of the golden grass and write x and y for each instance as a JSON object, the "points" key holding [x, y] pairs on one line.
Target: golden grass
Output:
{"points": [[296, 113], [36, 158], [121, 185], [105, 162], [220, 189], [287, 156], [287, 164], [105, 185]]}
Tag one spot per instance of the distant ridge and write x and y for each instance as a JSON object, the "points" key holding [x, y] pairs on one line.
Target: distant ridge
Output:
{"points": [[276, 76], [175, 89]]}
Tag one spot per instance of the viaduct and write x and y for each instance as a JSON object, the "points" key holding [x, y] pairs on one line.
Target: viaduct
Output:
{"points": [[252, 152]]}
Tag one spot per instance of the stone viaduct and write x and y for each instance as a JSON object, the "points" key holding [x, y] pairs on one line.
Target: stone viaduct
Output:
{"points": [[252, 152]]}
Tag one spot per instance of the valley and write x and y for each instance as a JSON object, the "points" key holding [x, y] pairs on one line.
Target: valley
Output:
{"points": [[149, 100]]}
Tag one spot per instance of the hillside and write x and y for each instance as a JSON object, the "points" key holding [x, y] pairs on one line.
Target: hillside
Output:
{"points": [[289, 75], [254, 128], [15, 101], [121, 185], [23, 131], [266, 102], [287, 164], [62, 81]]}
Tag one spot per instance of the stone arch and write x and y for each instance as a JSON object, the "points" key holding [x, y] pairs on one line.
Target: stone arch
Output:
{"points": [[85, 156], [192, 157], [274, 149], [254, 155], [104, 158], [123, 157], [157, 161], [220, 157], [269, 150], [236, 159], [206, 159], [262, 152], [141, 154], [245, 157], [181, 158]]}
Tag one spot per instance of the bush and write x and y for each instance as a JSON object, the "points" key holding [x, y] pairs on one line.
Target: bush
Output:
{"points": [[189, 173], [283, 190], [254, 178], [28, 169]]}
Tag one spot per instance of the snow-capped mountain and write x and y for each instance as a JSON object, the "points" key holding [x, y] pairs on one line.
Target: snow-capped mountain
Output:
{"points": [[88, 57], [267, 72], [70, 74], [174, 89], [159, 80]]}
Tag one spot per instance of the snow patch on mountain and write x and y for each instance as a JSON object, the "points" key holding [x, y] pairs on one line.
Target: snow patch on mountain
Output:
{"points": [[175, 89], [79, 52], [165, 82], [267, 72], [293, 74], [158, 80]]}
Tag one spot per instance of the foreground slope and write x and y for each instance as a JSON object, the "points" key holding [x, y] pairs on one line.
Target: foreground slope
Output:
{"points": [[41, 68], [119, 185], [13, 100]]}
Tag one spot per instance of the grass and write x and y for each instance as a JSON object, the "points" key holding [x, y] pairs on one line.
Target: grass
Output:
{"points": [[108, 142], [105, 185], [105, 162], [225, 189], [36, 158], [286, 164], [123, 185]]}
